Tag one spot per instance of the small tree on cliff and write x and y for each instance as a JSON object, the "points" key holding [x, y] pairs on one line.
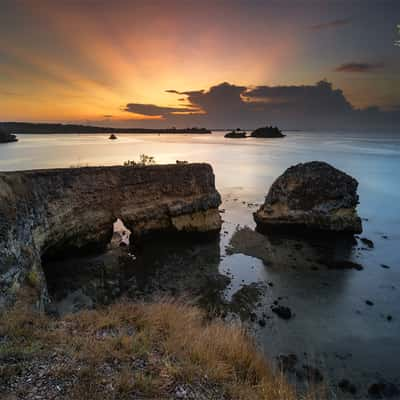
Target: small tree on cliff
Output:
{"points": [[144, 160]]}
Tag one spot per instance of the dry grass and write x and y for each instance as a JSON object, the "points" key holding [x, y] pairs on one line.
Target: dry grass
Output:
{"points": [[173, 339]]}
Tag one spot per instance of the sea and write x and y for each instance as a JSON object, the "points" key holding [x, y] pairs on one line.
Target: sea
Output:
{"points": [[345, 322]]}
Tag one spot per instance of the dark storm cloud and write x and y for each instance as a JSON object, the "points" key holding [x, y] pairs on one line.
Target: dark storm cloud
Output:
{"points": [[223, 97], [153, 110], [332, 24], [358, 67], [318, 106], [321, 98]]}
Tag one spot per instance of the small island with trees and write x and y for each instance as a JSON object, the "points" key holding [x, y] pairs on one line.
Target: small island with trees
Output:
{"points": [[267, 132], [263, 132]]}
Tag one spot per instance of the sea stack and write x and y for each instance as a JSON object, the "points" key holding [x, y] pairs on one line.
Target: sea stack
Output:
{"points": [[6, 137], [313, 196]]}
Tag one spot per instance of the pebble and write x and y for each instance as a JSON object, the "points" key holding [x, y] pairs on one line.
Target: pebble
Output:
{"points": [[282, 312], [384, 390], [346, 386]]}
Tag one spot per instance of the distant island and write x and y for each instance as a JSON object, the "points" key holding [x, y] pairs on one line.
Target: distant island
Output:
{"points": [[267, 132], [236, 134], [264, 132], [42, 128], [6, 137]]}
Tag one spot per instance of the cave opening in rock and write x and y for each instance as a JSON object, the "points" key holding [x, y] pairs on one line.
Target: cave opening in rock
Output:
{"points": [[77, 279], [121, 235]]}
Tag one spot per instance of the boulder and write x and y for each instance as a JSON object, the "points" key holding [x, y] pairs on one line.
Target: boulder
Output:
{"points": [[313, 196]]}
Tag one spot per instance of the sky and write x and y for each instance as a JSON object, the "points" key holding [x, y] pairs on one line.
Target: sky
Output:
{"points": [[219, 64]]}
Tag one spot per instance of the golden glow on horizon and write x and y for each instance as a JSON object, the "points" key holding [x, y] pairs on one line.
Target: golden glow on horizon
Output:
{"points": [[83, 60], [104, 67]]}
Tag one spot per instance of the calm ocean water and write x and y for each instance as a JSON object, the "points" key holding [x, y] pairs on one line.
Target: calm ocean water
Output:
{"points": [[332, 324]]}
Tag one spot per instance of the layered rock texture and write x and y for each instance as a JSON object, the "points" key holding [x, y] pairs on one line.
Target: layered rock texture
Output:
{"points": [[51, 212], [314, 196]]}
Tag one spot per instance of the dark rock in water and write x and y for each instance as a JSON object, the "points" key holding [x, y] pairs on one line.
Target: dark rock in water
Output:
{"points": [[267, 132], [245, 299], [369, 302], [389, 317], [346, 386], [385, 266], [253, 317], [282, 311], [287, 363], [113, 137], [261, 322], [384, 390], [313, 196], [368, 242], [342, 264], [6, 137], [235, 135], [312, 374]]}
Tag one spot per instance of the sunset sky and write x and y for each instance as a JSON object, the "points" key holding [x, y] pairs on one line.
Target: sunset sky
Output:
{"points": [[158, 63]]}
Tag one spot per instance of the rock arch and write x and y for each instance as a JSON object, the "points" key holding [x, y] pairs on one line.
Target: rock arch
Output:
{"points": [[59, 210]]}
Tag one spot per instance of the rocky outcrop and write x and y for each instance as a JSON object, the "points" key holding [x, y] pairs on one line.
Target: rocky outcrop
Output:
{"points": [[6, 137], [49, 212], [314, 196], [267, 132]]}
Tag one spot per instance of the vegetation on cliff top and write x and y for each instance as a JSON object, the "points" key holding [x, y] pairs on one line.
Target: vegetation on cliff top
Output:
{"points": [[130, 351], [144, 160]]}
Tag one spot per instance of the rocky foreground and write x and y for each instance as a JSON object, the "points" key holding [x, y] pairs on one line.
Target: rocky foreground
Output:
{"points": [[44, 213], [164, 350], [313, 196]]}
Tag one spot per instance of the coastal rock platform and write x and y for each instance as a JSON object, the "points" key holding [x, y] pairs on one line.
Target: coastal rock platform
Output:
{"points": [[47, 213]]}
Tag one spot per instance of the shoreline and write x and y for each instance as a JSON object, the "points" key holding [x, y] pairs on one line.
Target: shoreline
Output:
{"points": [[51, 129]]}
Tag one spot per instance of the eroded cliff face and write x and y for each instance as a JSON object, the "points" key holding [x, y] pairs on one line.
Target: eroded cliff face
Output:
{"points": [[51, 212]]}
